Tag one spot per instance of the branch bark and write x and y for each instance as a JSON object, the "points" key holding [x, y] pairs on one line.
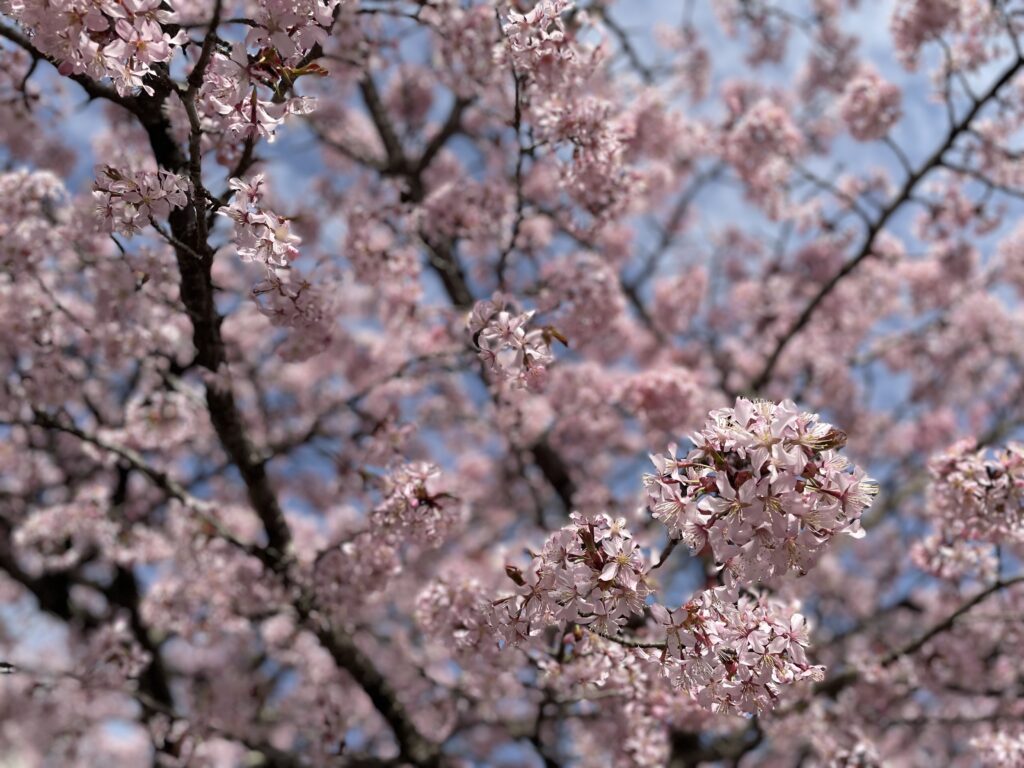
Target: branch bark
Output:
{"points": [[195, 260]]}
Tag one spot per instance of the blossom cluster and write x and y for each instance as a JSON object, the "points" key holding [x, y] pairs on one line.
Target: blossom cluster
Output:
{"points": [[539, 34], [599, 177], [20, 130], [601, 181], [976, 497], [27, 212], [59, 537], [729, 654], [451, 609], [508, 349], [584, 290], [211, 585], [999, 749], [761, 142], [640, 701], [916, 22], [870, 106], [356, 568], [379, 259], [234, 99], [113, 655], [161, 419], [974, 502], [590, 573], [128, 201], [459, 208], [417, 510], [260, 234], [291, 27], [416, 506], [667, 399], [452, 612], [119, 39], [283, 295], [764, 487], [553, 69], [735, 656], [290, 301]]}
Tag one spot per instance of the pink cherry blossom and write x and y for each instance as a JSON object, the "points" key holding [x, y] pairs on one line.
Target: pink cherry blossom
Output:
{"points": [[334, 335], [870, 106], [764, 487]]}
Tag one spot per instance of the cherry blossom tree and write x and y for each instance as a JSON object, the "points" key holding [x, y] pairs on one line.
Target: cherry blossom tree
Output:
{"points": [[449, 383]]}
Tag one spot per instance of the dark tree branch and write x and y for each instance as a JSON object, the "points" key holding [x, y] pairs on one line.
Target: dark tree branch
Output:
{"points": [[878, 225], [94, 89], [834, 685]]}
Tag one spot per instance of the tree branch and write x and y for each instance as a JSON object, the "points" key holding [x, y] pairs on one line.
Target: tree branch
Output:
{"points": [[878, 225], [833, 686]]}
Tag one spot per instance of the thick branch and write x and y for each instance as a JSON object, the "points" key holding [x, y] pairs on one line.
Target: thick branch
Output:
{"points": [[444, 261], [414, 748], [171, 487]]}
